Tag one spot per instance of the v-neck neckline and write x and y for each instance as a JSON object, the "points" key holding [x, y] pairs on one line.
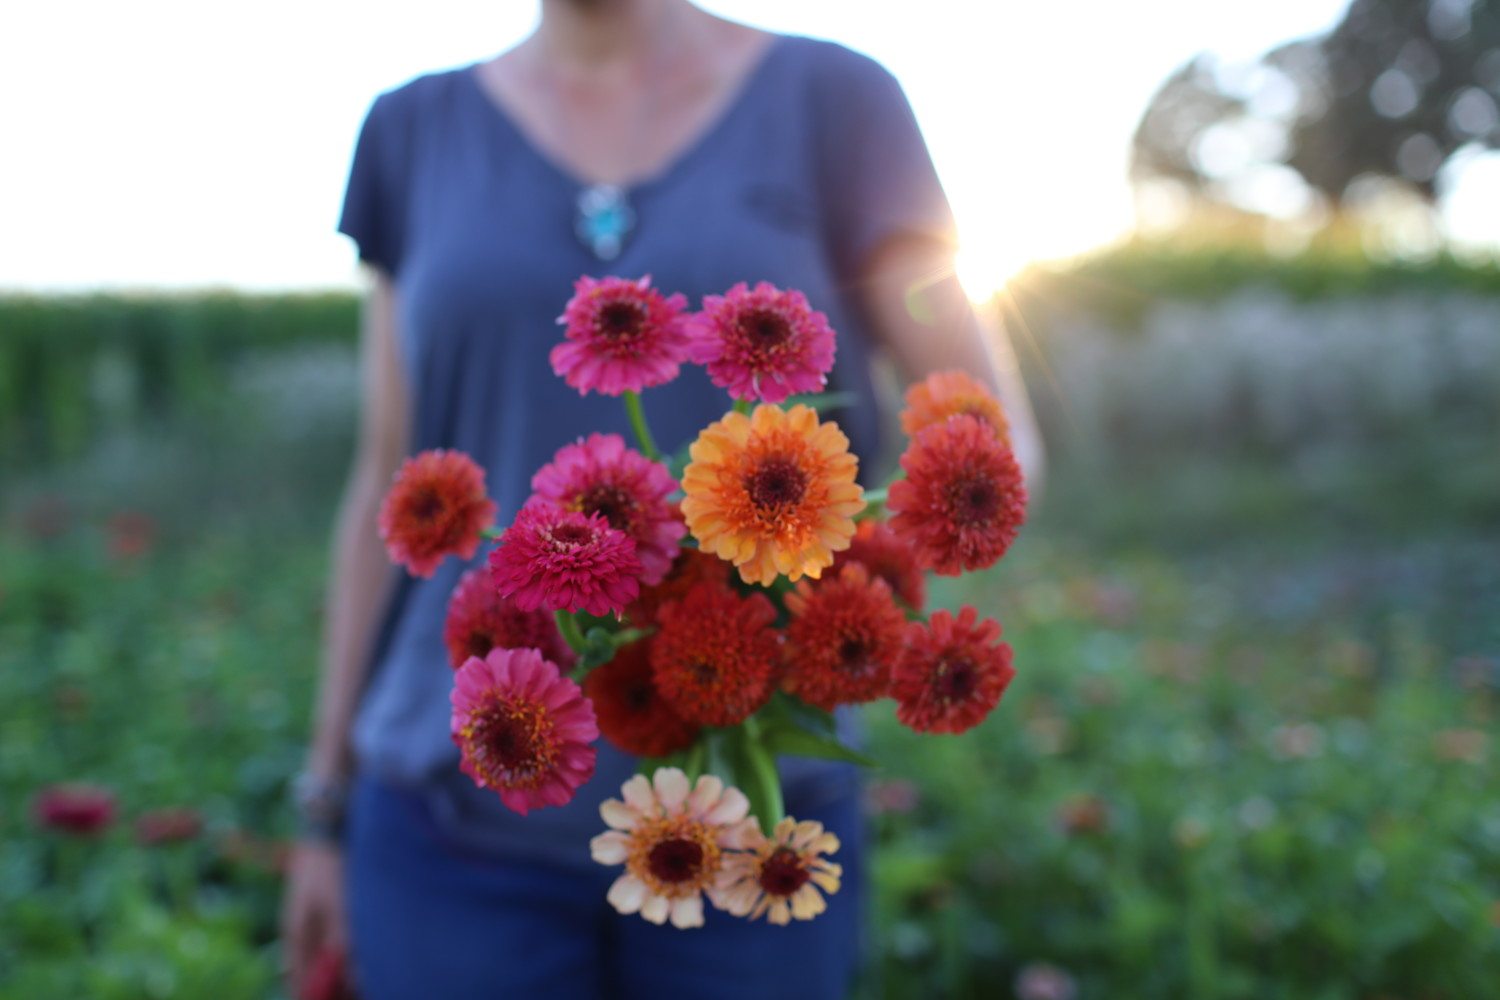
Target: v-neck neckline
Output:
{"points": [[688, 152]]}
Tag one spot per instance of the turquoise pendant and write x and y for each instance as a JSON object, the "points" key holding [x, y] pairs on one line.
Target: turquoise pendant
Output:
{"points": [[604, 218]]}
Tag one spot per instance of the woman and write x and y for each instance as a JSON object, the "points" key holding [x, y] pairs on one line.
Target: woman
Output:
{"points": [[623, 137]]}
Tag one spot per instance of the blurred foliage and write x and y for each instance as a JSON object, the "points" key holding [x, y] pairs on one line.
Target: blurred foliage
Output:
{"points": [[1394, 90], [1250, 752], [70, 366]]}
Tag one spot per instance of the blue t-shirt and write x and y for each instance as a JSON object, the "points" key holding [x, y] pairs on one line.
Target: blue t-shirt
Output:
{"points": [[815, 163]]}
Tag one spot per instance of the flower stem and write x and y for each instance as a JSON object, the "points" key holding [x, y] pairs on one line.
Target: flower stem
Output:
{"points": [[765, 793], [742, 406], [639, 426], [876, 497], [568, 626]]}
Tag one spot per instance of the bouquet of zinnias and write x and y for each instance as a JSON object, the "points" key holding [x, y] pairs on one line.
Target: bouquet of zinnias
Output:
{"points": [[707, 612]]}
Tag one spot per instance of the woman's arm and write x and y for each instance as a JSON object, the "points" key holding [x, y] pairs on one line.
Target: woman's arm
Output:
{"points": [[921, 315], [312, 909], [361, 571]]}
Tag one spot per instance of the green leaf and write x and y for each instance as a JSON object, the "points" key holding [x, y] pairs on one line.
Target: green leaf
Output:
{"points": [[783, 739], [823, 402]]}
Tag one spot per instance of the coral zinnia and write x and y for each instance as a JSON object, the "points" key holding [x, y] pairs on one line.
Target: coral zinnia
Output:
{"points": [[963, 500], [480, 620], [887, 556], [951, 673], [773, 492], [692, 567], [621, 336], [845, 633], [715, 658], [632, 713], [561, 560], [779, 876], [945, 394], [436, 508], [672, 838], [764, 344], [602, 476], [523, 730]]}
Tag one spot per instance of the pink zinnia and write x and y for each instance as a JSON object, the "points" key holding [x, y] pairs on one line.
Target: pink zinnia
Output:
{"points": [[561, 560], [602, 476], [436, 508], [76, 809], [523, 729], [621, 336], [480, 620], [764, 344]]}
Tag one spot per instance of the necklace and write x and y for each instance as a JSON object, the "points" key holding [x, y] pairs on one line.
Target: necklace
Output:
{"points": [[604, 218]]}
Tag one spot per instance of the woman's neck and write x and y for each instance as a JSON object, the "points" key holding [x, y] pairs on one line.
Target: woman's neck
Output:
{"points": [[603, 35]]}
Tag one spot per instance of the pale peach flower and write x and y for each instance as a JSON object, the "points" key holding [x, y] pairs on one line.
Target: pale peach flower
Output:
{"points": [[672, 838]]}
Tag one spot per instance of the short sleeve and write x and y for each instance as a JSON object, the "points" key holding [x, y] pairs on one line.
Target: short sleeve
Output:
{"points": [[374, 200], [877, 179]]}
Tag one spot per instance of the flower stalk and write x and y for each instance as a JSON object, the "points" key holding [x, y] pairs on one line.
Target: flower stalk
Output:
{"points": [[638, 425]]}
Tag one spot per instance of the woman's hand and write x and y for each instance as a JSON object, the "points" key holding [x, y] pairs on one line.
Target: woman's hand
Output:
{"points": [[312, 910]]}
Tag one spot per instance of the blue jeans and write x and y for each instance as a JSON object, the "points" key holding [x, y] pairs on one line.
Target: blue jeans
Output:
{"points": [[429, 920]]}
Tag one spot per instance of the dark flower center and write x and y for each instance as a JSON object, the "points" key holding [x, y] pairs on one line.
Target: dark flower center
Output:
{"points": [[426, 505], [638, 697], [511, 739], [480, 643], [616, 504], [854, 653], [621, 320], [775, 484], [783, 873], [569, 535], [955, 680], [765, 329], [704, 673], [675, 860], [974, 501]]}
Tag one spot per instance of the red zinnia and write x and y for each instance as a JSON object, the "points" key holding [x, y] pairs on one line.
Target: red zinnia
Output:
{"points": [[602, 476], [168, 826], [621, 336], [888, 557], [561, 560], [522, 728], [328, 979], [716, 656], [845, 633], [480, 620], [764, 344], [963, 500], [436, 508], [692, 567], [77, 809], [632, 713], [951, 673]]}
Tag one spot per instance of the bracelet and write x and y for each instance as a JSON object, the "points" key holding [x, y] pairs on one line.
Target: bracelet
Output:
{"points": [[320, 804]]}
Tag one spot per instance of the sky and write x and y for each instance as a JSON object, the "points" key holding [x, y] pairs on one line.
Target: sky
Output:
{"points": [[166, 144]]}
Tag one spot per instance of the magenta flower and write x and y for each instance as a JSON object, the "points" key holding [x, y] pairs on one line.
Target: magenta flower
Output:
{"points": [[602, 476], [561, 560], [764, 344], [82, 810], [621, 336], [522, 729]]}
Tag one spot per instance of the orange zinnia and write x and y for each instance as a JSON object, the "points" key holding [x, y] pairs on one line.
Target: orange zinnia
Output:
{"points": [[945, 394], [773, 493]]}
